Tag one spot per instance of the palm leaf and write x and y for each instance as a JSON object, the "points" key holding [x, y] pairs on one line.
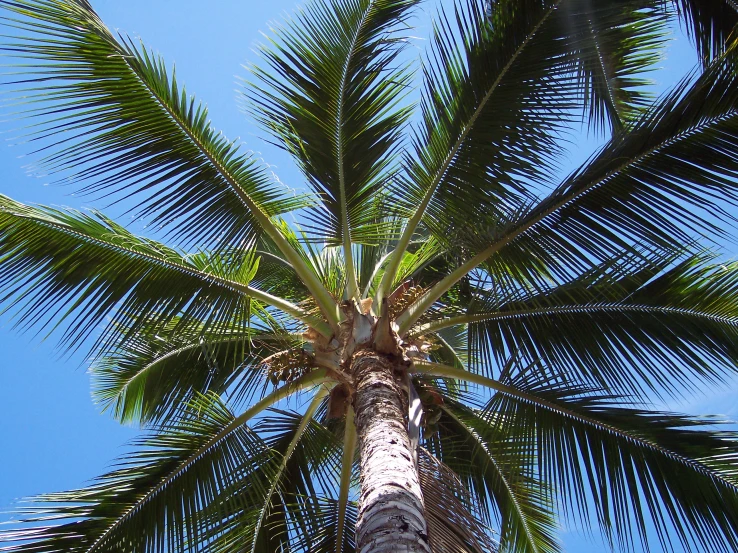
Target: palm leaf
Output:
{"points": [[61, 265], [501, 87], [276, 274], [330, 95], [118, 123], [152, 500], [646, 187], [453, 524], [124, 127], [321, 536], [162, 496], [612, 46], [291, 436], [147, 376], [348, 456], [711, 25], [285, 511], [636, 465], [656, 323], [494, 471]]}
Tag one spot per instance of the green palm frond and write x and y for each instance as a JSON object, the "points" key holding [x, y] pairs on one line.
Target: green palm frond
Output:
{"points": [[276, 274], [343, 524], [419, 262], [118, 124], [330, 95], [295, 478], [147, 376], [320, 536], [461, 126], [61, 265], [497, 100], [639, 467], [452, 347], [711, 25], [612, 46], [496, 472], [326, 263], [164, 495], [645, 187], [284, 512], [153, 499], [656, 323]]}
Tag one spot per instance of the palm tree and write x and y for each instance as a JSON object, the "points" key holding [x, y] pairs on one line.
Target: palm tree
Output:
{"points": [[449, 338]]}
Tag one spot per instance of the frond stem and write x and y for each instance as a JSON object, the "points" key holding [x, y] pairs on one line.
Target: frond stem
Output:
{"points": [[617, 119], [565, 309], [376, 270], [352, 284], [347, 462]]}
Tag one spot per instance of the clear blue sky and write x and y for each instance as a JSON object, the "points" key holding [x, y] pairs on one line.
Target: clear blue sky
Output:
{"points": [[51, 435]]}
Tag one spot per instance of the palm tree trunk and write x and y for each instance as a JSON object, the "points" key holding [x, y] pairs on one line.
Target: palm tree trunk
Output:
{"points": [[391, 513]]}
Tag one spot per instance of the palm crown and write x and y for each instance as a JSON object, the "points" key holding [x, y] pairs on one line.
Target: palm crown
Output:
{"points": [[477, 345]]}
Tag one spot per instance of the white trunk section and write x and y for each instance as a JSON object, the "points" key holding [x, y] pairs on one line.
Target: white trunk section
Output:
{"points": [[391, 513]]}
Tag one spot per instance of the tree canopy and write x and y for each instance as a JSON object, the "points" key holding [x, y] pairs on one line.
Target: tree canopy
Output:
{"points": [[532, 319]]}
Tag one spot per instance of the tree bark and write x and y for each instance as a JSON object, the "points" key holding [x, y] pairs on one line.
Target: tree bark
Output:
{"points": [[391, 512]]}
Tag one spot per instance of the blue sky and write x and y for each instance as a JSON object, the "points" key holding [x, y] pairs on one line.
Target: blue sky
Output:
{"points": [[51, 435]]}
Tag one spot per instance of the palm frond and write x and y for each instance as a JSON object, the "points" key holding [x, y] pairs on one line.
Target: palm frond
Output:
{"points": [[321, 535], [118, 123], [121, 126], [145, 377], [153, 499], [276, 274], [453, 524], [649, 187], [347, 470], [496, 473], [174, 492], [62, 265], [452, 346], [470, 62], [416, 263], [330, 95], [711, 25], [637, 466], [501, 88], [326, 263], [284, 514], [292, 437], [611, 48], [646, 187], [656, 323]]}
